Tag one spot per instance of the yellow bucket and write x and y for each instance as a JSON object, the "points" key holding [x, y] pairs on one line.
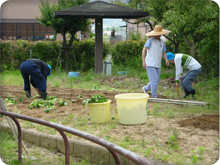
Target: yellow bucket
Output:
{"points": [[99, 112], [132, 108]]}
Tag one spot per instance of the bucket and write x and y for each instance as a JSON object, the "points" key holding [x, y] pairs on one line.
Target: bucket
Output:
{"points": [[99, 112], [132, 108], [122, 72], [74, 74], [107, 68]]}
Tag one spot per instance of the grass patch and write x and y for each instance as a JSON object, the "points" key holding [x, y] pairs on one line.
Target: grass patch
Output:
{"points": [[37, 155]]}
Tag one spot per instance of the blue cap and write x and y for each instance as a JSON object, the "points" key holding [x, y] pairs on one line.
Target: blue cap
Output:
{"points": [[50, 70], [170, 56]]}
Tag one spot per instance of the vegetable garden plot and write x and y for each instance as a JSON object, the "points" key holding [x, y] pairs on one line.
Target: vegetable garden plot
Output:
{"points": [[152, 139]]}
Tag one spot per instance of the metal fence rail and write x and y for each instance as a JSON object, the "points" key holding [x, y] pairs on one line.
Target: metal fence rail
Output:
{"points": [[112, 148]]}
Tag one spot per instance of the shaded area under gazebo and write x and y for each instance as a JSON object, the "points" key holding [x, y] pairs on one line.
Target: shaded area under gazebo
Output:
{"points": [[99, 10]]}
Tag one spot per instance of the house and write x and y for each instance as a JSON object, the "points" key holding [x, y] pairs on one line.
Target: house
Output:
{"points": [[141, 27], [18, 21]]}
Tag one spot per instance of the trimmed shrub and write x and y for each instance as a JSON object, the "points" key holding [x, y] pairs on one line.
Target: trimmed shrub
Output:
{"points": [[14, 53], [128, 53]]}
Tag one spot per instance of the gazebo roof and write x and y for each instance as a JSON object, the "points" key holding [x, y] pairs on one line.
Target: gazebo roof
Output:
{"points": [[100, 9]]}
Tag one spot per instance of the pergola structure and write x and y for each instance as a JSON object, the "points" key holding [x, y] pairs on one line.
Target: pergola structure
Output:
{"points": [[99, 10]]}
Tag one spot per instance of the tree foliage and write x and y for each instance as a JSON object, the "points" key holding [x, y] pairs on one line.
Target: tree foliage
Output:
{"points": [[63, 25], [194, 27]]}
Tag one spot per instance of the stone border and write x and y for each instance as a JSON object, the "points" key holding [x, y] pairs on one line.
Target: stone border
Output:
{"points": [[82, 148]]}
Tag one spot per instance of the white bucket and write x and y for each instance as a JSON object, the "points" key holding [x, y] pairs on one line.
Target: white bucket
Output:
{"points": [[132, 108]]}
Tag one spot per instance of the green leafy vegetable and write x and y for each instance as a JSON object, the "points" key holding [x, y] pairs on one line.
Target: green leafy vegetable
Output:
{"points": [[10, 100], [95, 99], [49, 104], [79, 97], [62, 102], [21, 98], [47, 110]]}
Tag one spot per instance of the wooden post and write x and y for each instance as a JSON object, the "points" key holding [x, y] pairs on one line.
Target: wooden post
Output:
{"points": [[98, 45]]}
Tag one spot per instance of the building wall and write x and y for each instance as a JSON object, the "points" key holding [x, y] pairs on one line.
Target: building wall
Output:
{"points": [[22, 11], [141, 27]]}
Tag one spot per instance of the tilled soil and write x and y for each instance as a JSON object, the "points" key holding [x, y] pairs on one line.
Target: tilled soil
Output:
{"points": [[194, 131]]}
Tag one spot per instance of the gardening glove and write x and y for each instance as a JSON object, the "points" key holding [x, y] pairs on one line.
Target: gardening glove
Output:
{"points": [[38, 91], [28, 94], [43, 95]]}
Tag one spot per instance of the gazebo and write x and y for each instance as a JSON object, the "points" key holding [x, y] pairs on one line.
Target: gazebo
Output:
{"points": [[99, 10]]}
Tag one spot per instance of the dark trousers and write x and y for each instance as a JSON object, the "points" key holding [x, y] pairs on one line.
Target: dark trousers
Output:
{"points": [[188, 79], [27, 69]]}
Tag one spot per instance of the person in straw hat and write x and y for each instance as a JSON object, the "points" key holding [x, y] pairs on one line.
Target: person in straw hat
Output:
{"points": [[156, 49]]}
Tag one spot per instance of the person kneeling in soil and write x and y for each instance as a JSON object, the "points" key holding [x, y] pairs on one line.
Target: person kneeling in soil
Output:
{"points": [[186, 61], [39, 71]]}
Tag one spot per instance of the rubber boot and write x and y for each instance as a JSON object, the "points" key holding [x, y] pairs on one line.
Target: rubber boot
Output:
{"points": [[193, 92], [28, 94], [43, 95], [186, 93]]}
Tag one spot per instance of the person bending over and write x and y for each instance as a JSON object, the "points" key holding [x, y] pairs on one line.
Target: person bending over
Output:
{"points": [[38, 72], [185, 61]]}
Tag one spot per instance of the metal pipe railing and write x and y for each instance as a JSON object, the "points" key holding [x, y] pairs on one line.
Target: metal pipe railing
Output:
{"points": [[19, 139], [114, 149]]}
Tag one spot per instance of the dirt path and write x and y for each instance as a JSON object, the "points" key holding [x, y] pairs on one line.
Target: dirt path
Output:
{"points": [[194, 132]]}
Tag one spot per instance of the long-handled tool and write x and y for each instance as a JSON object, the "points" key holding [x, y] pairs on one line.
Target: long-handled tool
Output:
{"points": [[177, 89]]}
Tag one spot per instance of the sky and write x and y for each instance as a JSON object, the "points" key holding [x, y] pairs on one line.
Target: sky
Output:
{"points": [[111, 22]]}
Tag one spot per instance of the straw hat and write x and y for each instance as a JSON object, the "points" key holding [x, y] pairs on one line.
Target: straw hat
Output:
{"points": [[158, 31]]}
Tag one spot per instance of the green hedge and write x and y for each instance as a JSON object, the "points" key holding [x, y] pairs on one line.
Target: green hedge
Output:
{"points": [[128, 53], [14, 53]]}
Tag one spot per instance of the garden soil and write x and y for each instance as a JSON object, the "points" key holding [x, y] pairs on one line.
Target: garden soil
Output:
{"points": [[194, 131]]}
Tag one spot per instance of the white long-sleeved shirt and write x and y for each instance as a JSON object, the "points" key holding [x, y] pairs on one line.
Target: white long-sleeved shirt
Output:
{"points": [[186, 61]]}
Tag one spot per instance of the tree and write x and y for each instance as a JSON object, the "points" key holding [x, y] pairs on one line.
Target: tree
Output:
{"points": [[198, 23], [192, 20], [188, 20], [194, 26], [63, 26]]}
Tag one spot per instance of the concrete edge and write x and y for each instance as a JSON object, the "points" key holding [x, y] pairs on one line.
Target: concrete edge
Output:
{"points": [[82, 148]]}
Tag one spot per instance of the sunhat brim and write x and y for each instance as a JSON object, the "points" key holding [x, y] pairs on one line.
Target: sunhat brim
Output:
{"points": [[153, 33]]}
